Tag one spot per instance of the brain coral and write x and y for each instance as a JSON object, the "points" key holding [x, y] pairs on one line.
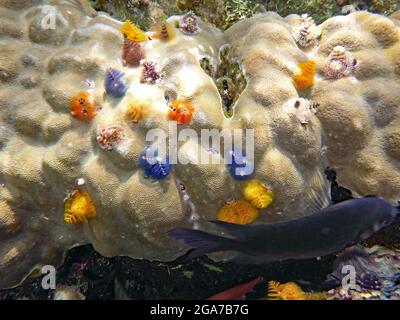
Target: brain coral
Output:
{"points": [[45, 152]]}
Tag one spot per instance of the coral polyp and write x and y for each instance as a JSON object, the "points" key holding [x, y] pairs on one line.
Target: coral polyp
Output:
{"points": [[340, 64], [257, 194], [114, 84], [132, 53], [180, 111], [109, 137], [82, 106], [150, 73], [78, 207], [239, 212], [189, 24]]}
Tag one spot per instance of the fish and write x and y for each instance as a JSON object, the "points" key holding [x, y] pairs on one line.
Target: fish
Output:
{"points": [[113, 83], [238, 291], [305, 79], [328, 231]]}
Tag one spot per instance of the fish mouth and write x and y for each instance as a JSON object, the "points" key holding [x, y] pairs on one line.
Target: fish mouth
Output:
{"points": [[383, 223], [377, 226]]}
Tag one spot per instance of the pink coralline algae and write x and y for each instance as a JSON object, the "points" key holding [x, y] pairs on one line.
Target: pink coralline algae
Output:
{"points": [[109, 137], [341, 63], [189, 24], [150, 73]]}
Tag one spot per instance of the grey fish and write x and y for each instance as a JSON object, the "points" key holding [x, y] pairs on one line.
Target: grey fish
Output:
{"points": [[327, 231]]}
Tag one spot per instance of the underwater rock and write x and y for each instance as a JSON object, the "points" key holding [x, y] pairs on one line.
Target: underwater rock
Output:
{"points": [[64, 292], [45, 150]]}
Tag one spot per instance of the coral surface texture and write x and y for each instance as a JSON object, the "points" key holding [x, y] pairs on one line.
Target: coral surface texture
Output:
{"points": [[346, 116]]}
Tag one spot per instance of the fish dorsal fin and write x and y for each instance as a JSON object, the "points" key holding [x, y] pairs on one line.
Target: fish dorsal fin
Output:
{"points": [[318, 195]]}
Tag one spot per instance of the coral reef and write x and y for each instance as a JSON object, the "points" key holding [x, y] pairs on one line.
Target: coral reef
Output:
{"points": [[229, 79], [44, 150], [377, 276], [225, 13]]}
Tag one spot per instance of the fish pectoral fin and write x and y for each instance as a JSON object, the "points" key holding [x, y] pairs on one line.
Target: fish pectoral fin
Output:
{"points": [[318, 196]]}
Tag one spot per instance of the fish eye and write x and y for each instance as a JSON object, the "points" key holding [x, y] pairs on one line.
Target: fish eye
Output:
{"points": [[81, 101]]}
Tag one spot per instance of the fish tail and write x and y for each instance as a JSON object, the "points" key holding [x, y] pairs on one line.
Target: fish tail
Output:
{"points": [[202, 242]]}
